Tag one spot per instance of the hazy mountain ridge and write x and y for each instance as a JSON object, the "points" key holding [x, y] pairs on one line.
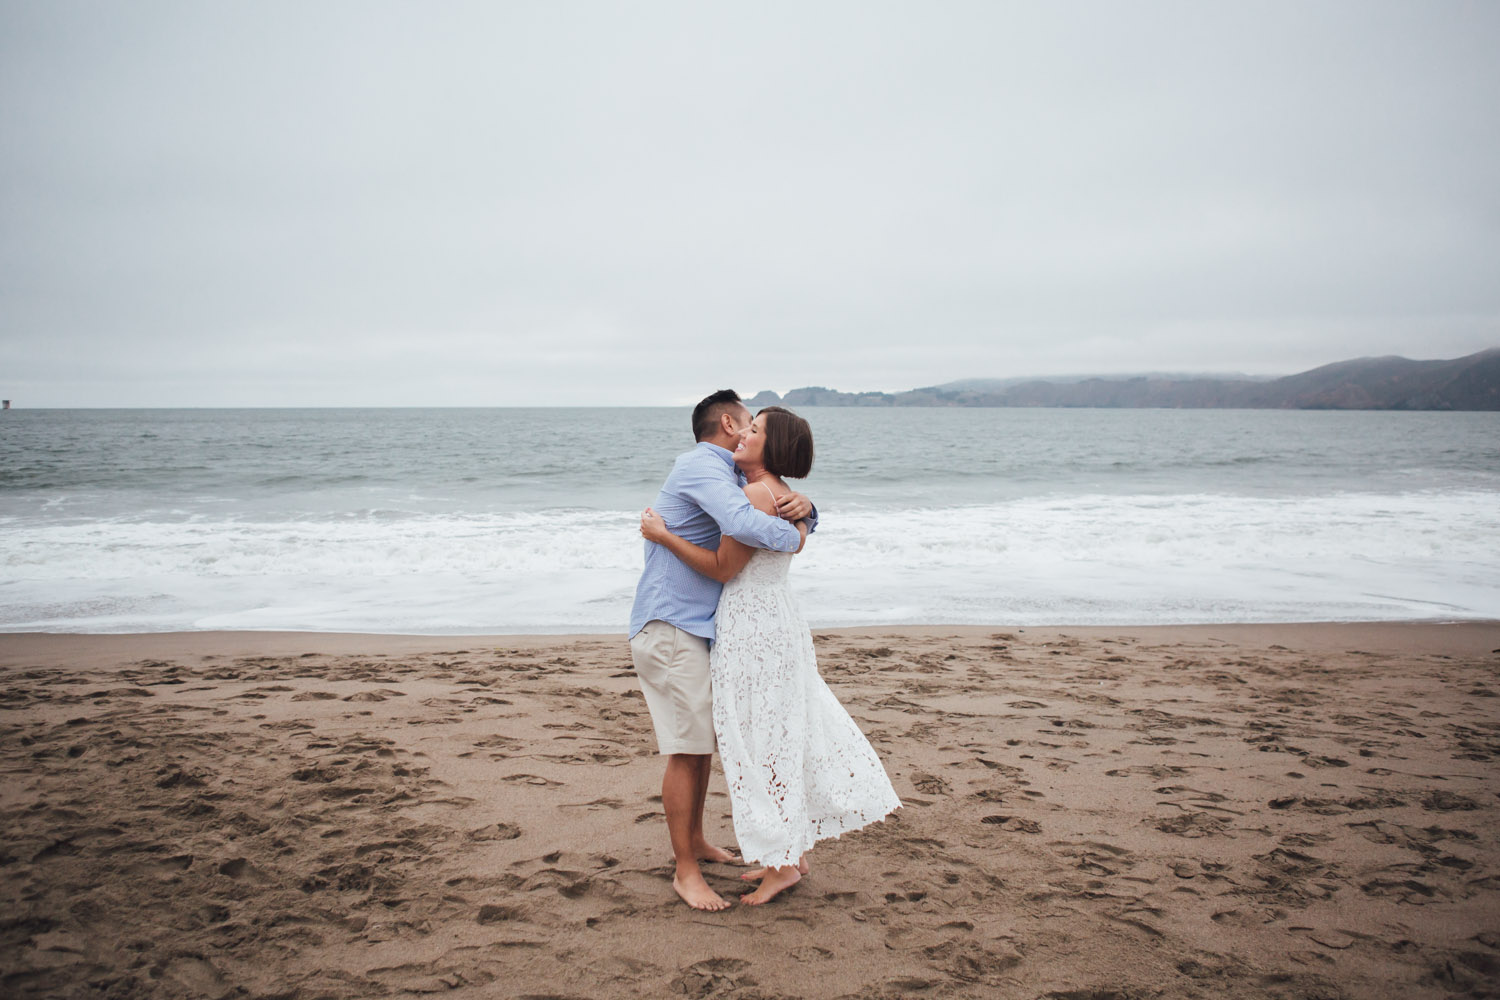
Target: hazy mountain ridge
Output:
{"points": [[1386, 383]]}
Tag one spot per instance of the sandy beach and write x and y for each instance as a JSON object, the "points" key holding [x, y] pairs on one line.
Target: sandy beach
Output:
{"points": [[1090, 814]]}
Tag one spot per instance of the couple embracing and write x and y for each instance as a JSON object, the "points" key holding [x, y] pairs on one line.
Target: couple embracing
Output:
{"points": [[725, 659]]}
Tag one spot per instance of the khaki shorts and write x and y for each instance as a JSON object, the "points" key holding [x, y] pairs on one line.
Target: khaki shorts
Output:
{"points": [[673, 668]]}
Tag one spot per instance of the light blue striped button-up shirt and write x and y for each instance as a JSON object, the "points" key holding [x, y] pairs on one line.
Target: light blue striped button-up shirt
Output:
{"points": [[702, 498]]}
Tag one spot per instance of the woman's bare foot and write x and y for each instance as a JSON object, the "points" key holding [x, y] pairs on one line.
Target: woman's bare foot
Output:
{"points": [[695, 892], [775, 881], [760, 873]]}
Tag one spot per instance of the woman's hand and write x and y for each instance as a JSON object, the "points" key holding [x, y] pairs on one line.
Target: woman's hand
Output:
{"points": [[653, 528]]}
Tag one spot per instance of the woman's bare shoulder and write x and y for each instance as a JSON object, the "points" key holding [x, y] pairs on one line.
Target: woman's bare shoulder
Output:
{"points": [[762, 496]]}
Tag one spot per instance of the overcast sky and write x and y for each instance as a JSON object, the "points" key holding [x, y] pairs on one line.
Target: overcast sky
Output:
{"points": [[319, 203]]}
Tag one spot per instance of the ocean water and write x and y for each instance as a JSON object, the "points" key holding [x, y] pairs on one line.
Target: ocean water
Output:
{"points": [[524, 520]]}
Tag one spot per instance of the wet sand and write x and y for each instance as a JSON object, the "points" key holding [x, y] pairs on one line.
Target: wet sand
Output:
{"points": [[1090, 814]]}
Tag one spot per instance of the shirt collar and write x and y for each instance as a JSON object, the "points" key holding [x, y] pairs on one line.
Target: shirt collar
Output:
{"points": [[722, 453]]}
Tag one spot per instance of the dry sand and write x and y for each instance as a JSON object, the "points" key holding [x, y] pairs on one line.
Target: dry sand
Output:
{"points": [[1229, 811]]}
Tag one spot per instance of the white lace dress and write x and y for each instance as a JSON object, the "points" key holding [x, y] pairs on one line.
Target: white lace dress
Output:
{"points": [[798, 767]]}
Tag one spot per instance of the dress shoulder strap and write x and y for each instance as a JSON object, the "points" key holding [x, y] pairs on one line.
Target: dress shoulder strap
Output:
{"points": [[770, 491]]}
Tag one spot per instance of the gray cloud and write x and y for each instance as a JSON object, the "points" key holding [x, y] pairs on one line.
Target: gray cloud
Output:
{"points": [[352, 203]]}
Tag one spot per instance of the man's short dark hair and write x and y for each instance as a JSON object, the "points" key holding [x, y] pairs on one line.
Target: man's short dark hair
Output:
{"points": [[789, 443], [706, 414]]}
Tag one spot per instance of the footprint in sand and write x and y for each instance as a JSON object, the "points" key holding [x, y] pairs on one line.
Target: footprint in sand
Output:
{"points": [[1333, 807], [176, 777], [1419, 839], [155, 866], [1294, 878], [380, 694], [1409, 891], [607, 756], [970, 961], [495, 913], [1157, 771], [1192, 868], [712, 977], [1096, 857], [1445, 801], [242, 869], [531, 779], [1325, 762], [499, 743], [1248, 920], [197, 975], [1191, 824], [429, 977], [1012, 823], [929, 784], [1303, 839]]}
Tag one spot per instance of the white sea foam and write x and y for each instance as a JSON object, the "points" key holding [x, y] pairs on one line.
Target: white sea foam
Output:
{"points": [[1111, 559], [1063, 559]]}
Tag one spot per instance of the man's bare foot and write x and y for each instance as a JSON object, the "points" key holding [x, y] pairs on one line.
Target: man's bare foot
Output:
{"points": [[760, 873], [775, 881], [696, 893], [708, 852]]}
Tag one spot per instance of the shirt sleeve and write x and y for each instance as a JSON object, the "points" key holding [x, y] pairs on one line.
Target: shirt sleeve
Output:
{"points": [[721, 499]]}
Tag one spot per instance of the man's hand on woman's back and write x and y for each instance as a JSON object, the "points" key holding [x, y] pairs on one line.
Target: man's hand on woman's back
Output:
{"points": [[793, 506]]}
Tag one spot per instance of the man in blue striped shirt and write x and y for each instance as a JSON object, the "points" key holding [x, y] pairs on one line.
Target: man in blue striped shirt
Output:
{"points": [[672, 622]]}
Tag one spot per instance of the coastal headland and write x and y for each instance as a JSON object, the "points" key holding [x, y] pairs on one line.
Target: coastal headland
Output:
{"points": [[1231, 811], [1390, 383]]}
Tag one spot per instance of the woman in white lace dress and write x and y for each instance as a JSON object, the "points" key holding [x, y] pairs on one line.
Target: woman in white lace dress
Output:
{"points": [[798, 768]]}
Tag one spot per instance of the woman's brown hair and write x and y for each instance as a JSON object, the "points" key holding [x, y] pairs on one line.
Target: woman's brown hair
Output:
{"points": [[789, 443]]}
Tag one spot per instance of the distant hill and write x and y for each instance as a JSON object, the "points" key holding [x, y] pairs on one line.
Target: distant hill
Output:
{"points": [[992, 384], [1389, 383]]}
